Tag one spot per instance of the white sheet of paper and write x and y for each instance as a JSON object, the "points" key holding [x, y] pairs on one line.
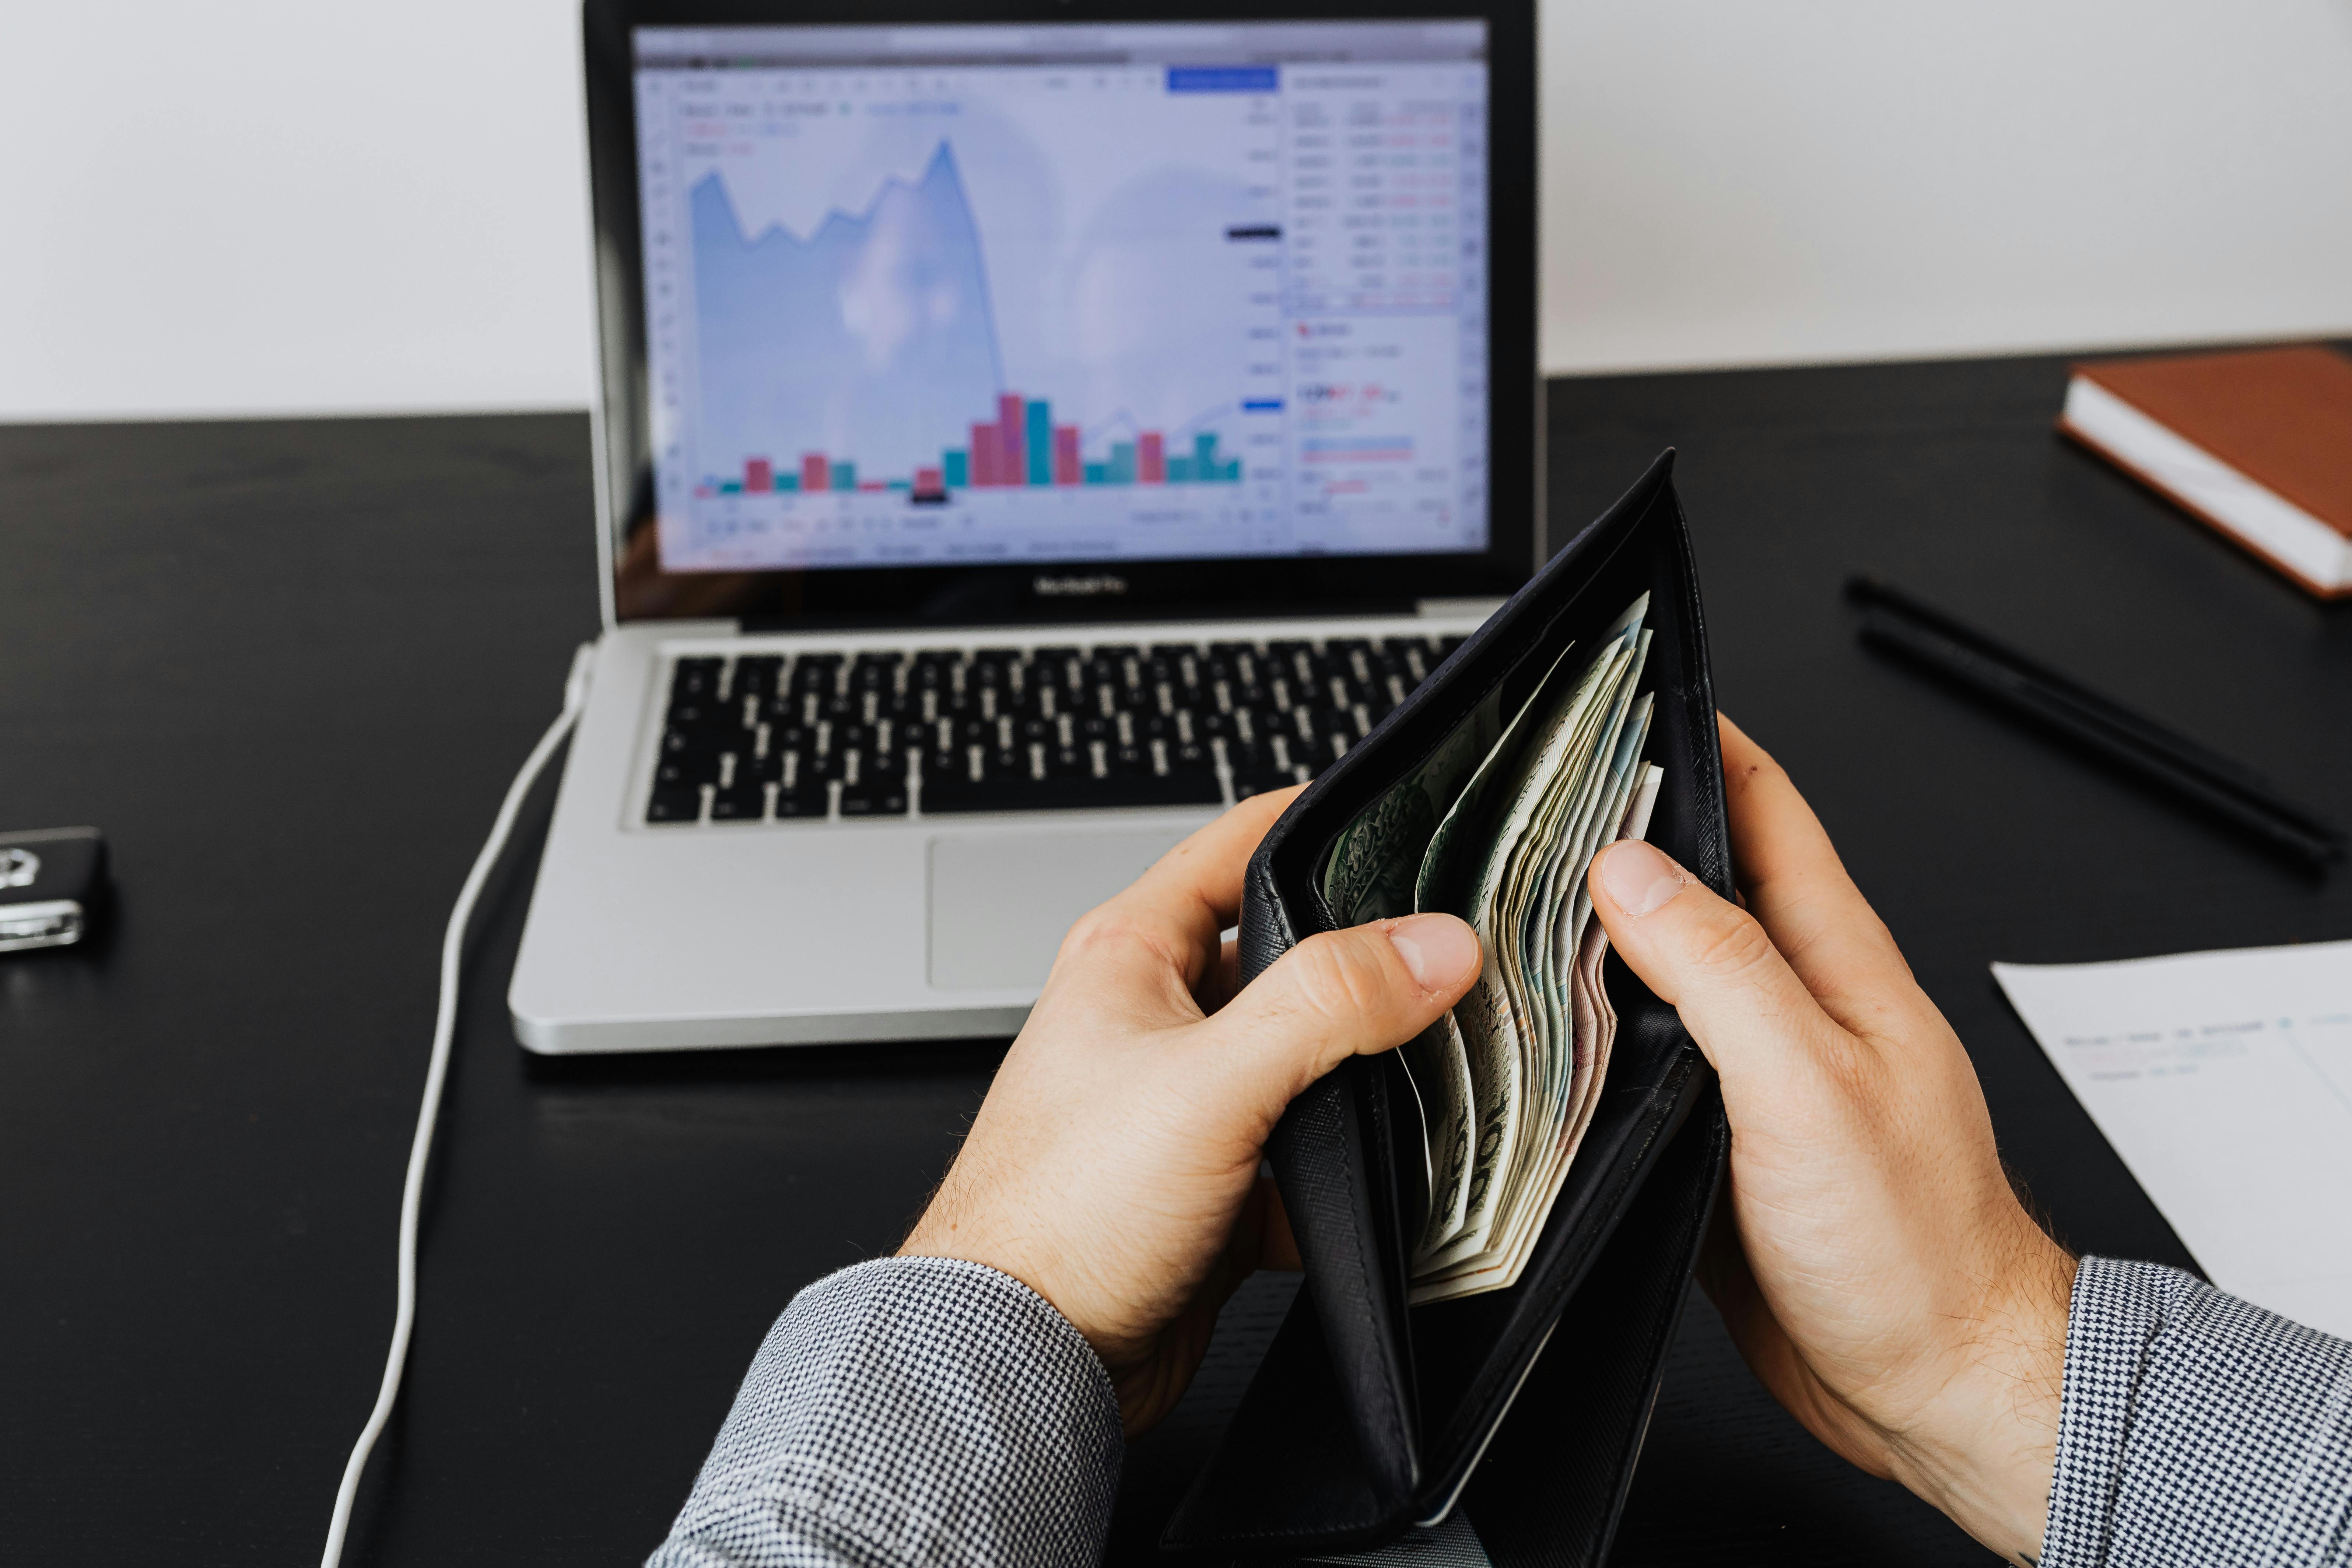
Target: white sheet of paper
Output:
{"points": [[2224, 1079]]}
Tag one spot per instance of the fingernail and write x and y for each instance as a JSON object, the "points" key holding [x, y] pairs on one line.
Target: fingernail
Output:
{"points": [[1438, 949], [1639, 879]]}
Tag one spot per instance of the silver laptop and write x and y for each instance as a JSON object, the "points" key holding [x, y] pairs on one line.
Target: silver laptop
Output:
{"points": [[1018, 442]]}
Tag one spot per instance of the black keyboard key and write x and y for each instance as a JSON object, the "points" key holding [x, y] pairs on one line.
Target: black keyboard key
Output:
{"points": [[816, 672], [810, 797], [874, 799], [874, 785], [675, 805], [708, 713], [688, 771], [747, 801], [754, 675], [696, 679], [678, 742]]}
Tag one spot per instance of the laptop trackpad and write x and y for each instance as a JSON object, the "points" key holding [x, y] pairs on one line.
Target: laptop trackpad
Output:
{"points": [[1001, 902]]}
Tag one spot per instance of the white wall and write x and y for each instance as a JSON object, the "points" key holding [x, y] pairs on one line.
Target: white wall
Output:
{"points": [[314, 206], [1753, 181]]}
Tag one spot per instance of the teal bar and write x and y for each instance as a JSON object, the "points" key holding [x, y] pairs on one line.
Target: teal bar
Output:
{"points": [[902, 484], [1180, 471], [845, 476], [1232, 472], [788, 481], [730, 487], [1096, 473], [1121, 465], [958, 467], [1041, 443], [1204, 454]]}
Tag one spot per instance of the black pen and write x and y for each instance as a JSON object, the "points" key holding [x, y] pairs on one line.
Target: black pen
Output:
{"points": [[2219, 787]]}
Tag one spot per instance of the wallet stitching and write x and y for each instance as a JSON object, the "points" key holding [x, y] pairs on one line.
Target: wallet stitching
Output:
{"points": [[1364, 1281]]}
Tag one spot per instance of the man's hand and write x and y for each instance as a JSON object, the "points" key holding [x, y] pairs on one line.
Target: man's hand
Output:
{"points": [[1877, 1271], [1114, 1167]]}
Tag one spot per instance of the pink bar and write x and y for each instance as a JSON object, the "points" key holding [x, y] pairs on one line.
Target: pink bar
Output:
{"points": [[1011, 439], [872, 485], [1151, 460], [928, 482], [758, 477], [817, 474], [984, 455], [1065, 455]]}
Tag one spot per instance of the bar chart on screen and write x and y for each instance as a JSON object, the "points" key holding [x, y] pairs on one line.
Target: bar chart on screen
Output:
{"points": [[941, 315]]}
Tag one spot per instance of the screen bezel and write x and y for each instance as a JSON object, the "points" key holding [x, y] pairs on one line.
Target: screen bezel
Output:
{"points": [[637, 590]]}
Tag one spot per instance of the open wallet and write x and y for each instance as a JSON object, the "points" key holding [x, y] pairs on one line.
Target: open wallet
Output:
{"points": [[1523, 1405]]}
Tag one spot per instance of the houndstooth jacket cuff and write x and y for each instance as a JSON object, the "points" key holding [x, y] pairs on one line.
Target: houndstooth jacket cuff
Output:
{"points": [[910, 1411], [2196, 1428]]}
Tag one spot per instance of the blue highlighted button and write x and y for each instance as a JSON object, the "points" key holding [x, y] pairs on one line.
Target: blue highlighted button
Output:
{"points": [[1223, 79]]}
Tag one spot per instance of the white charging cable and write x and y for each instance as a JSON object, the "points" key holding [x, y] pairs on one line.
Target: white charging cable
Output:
{"points": [[411, 1194]]}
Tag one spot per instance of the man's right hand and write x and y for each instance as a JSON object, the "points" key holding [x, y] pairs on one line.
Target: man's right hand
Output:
{"points": [[1876, 1268]]}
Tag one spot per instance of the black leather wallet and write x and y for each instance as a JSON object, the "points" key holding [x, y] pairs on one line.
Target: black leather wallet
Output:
{"points": [[1368, 1416]]}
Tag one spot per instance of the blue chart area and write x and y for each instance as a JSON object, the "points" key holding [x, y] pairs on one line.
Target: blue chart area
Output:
{"points": [[870, 340], [866, 356]]}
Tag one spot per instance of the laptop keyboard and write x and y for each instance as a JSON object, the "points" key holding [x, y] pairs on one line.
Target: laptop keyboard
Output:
{"points": [[815, 735]]}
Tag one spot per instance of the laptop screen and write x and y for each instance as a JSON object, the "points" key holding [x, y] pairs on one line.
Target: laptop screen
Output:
{"points": [[941, 295]]}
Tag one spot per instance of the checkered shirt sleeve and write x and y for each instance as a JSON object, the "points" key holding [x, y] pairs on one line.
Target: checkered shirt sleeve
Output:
{"points": [[2196, 1428], [910, 1411]]}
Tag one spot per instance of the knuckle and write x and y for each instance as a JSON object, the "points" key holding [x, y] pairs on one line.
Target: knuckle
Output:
{"points": [[1732, 944], [1099, 928], [1104, 931], [1335, 979]]}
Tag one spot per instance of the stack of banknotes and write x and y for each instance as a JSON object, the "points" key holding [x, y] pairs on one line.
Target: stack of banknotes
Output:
{"points": [[1498, 827]]}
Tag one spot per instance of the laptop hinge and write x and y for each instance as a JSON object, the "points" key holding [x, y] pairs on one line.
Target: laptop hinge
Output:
{"points": [[1456, 609]]}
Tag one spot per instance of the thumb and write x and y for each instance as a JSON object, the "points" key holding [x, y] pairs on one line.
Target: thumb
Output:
{"points": [[1342, 993], [1706, 955]]}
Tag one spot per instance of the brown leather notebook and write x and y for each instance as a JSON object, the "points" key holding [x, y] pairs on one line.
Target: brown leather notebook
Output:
{"points": [[2257, 443]]}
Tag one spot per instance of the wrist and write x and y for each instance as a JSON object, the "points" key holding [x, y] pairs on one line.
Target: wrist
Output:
{"points": [[1984, 1449]]}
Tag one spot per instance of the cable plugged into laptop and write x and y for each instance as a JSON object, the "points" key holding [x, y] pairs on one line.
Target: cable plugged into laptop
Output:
{"points": [[452, 941]]}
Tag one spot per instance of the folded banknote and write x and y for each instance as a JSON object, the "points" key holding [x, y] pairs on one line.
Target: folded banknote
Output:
{"points": [[1498, 827]]}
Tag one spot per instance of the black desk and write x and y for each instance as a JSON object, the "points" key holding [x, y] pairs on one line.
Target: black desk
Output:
{"points": [[290, 667]]}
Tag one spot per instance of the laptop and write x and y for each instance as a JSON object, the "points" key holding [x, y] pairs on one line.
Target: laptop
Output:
{"points": [[1025, 431]]}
